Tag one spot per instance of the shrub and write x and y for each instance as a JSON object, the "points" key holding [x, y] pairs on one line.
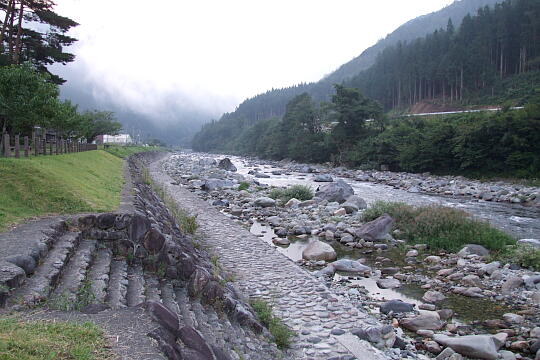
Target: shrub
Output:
{"points": [[300, 192], [243, 186], [522, 255], [281, 333], [439, 227]]}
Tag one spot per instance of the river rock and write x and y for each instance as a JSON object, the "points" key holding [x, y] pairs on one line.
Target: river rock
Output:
{"points": [[226, 164], [507, 355], [215, 184], [388, 283], [473, 249], [346, 239], [375, 230], [473, 346], [292, 203], [318, 250], [351, 266], [396, 306], [433, 259], [260, 175], [471, 280], [511, 284], [427, 320], [281, 241], [264, 202], [354, 203], [337, 191], [513, 318], [412, 253], [535, 243], [323, 178], [489, 268], [433, 296]]}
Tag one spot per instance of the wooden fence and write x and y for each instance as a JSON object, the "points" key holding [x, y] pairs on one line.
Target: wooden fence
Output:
{"points": [[40, 145]]}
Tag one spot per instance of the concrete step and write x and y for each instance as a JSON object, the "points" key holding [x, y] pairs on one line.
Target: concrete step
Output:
{"points": [[118, 282], [135, 291], [184, 305], [73, 275], [98, 274], [37, 287], [168, 297], [152, 290]]}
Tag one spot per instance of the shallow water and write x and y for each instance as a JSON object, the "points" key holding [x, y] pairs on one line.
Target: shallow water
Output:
{"points": [[516, 220]]}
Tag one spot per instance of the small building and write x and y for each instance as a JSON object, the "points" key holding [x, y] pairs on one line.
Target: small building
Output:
{"points": [[120, 139]]}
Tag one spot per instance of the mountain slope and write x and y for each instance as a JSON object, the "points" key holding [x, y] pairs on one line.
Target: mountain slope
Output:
{"points": [[411, 30]]}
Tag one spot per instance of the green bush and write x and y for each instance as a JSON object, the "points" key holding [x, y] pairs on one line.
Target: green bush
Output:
{"points": [[522, 255], [281, 333], [243, 186], [439, 227], [300, 192]]}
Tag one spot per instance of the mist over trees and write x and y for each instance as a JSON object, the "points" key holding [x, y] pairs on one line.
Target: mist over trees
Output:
{"points": [[31, 31]]}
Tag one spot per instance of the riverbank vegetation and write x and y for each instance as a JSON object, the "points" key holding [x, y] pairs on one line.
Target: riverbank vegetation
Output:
{"points": [[39, 340], [281, 333], [64, 184], [128, 150], [299, 192], [441, 228]]}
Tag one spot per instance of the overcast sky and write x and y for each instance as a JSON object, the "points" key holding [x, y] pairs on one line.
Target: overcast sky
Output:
{"points": [[211, 55]]}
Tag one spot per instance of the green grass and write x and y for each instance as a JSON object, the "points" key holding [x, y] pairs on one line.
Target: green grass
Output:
{"points": [[60, 184], [299, 192], [45, 340], [439, 227], [125, 151], [281, 333], [243, 186]]}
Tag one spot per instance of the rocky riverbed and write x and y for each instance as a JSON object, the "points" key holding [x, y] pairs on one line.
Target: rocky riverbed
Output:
{"points": [[443, 305]]}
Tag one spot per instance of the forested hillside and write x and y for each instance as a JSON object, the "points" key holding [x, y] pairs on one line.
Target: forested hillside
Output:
{"points": [[459, 66], [273, 102]]}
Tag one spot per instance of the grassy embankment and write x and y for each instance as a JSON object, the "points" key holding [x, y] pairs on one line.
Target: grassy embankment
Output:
{"points": [[444, 228], [125, 151], [60, 184], [37, 340]]}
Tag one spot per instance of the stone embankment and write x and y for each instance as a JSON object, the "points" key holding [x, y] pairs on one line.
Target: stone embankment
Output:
{"points": [[135, 274], [468, 305]]}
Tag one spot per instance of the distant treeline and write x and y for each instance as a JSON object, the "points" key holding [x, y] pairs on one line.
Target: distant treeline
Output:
{"points": [[353, 131], [450, 65]]}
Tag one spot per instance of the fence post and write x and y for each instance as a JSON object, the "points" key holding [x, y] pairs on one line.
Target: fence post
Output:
{"points": [[50, 148], [56, 146], [17, 147], [26, 150], [35, 144], [44, 144], [7, 146]]}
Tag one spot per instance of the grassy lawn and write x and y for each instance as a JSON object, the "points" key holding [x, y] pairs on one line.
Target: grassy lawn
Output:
{"points": [[125, 151], [40, 340], [59, 184]]}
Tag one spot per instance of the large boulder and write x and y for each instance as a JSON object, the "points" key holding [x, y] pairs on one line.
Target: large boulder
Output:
{"points": [[375, 230], [473, 346], [337, 191], [264, 202], [427, 320], [396, 306], [215, 184], [473, 249], [207, 162], [226, 164], [323, 178], [353, 204], [318, 250], [352, 266]]}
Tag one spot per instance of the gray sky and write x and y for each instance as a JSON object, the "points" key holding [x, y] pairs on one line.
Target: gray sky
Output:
{"points": [[210, 55]]}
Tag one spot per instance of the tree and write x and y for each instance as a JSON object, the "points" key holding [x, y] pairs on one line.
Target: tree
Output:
{"points": [[99, 123], [27, 99], [20, 41]]}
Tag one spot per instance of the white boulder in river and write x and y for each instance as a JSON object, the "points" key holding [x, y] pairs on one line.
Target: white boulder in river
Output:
{"points": [[337, 191], [473, 346], [318, 250]]}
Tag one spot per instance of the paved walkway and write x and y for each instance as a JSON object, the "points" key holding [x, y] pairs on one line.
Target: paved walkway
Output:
{"points": [[316, 314]]}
